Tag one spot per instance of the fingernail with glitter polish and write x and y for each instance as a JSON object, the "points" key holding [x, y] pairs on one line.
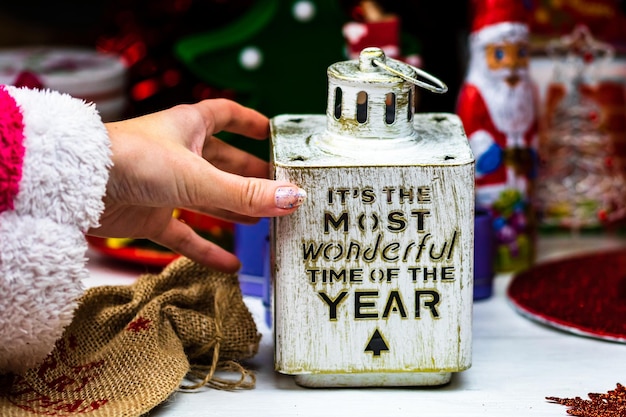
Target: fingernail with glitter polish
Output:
{"points": [[289, 197]]}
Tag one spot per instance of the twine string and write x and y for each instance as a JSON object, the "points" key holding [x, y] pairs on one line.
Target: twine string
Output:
{"points": [[206, 373]]}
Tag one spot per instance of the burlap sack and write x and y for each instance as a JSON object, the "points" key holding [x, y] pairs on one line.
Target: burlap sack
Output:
{"points": [[129, 347]]}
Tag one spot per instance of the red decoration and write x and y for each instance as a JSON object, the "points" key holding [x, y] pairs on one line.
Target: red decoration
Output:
{"points": [[384, 34], [144, 33], [374, 25], [585, 295], [611, 404]]}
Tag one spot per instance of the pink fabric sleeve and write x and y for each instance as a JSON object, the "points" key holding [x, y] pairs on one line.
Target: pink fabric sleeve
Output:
{"points": [[53, 174], [11, 149]]}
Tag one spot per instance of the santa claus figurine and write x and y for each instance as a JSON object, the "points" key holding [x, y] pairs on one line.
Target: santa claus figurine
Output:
{"points": [[497, 105]]}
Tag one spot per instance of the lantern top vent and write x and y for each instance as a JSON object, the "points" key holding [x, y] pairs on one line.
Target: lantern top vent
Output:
{"points": [[371, 103]]}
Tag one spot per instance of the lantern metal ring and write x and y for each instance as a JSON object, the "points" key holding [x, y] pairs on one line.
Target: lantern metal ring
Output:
{"points": [[439, 86]]}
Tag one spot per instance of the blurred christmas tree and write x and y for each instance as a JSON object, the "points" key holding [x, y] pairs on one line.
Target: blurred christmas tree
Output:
{"points": [[274, 56], [581, 181]]}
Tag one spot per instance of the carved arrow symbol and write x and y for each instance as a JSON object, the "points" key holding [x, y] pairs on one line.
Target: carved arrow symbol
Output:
{"points": [[376, 344]]}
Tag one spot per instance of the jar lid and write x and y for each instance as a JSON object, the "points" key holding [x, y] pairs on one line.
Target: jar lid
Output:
{"points": [[79, 72]]}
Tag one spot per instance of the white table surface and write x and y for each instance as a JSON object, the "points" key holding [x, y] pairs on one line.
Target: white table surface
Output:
{"points": [[516, 363]]}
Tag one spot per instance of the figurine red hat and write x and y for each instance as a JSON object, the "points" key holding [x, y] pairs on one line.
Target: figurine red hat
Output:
{"points": [[491, 12], [495, 17]]}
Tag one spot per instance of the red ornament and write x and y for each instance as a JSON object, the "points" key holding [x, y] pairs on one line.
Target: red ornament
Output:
{"points": [[28, 79]]}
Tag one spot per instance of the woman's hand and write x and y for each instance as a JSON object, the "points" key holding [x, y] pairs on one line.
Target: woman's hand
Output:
{"points": [[170, 159]]}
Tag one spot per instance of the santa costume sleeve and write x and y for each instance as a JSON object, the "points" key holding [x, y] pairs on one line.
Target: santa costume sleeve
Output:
{"points": [[53, 173]]}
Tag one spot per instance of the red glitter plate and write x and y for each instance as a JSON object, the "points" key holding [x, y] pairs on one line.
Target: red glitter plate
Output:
{"points": [[584, 295]]}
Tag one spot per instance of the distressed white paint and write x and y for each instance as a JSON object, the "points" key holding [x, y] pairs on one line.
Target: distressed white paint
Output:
{"points": [[423, 154]]}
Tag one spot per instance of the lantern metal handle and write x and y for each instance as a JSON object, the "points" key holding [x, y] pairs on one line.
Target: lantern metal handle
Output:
{"points": [[439, 87]]}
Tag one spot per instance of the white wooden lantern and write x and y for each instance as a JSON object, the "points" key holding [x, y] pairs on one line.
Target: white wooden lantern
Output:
{"points": [[373, 274]]}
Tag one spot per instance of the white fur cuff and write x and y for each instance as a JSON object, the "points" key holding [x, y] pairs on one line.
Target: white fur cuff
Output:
{"points": [[64, 171]]}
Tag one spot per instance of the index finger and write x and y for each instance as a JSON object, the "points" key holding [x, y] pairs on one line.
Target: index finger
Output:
{"points": [[229, 116]]}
